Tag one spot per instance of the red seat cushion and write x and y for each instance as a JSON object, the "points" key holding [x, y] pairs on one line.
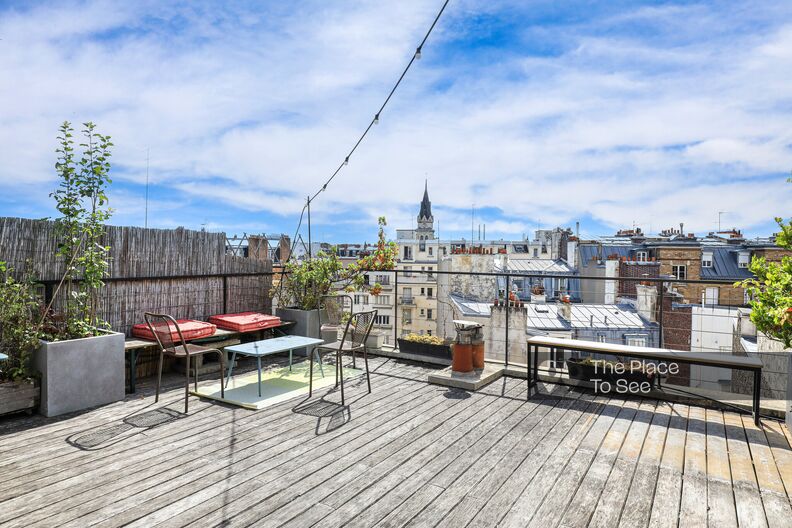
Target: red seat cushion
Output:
{"points": [[190, 330], [245, 321]]}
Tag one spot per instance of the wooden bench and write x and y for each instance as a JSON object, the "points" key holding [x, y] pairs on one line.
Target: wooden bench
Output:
{"points": [[220, 339], [659, 354]]}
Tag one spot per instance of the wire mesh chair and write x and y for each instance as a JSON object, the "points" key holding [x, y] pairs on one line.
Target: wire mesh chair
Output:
{"points": [[163, 326], [356, 333], [334, 312]]}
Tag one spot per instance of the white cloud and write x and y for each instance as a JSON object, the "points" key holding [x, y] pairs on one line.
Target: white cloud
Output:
{"points": [[255, 109]]}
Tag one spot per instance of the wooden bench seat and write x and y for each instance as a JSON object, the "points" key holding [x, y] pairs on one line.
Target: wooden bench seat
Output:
{"points": [[712, 359], [221, 338]]}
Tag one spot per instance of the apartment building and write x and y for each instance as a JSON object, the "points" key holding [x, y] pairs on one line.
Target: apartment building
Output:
{"points": [[722, 257], [419, 255]]}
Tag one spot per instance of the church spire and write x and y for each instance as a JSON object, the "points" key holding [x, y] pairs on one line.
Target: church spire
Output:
{"points": [[426, 205]]}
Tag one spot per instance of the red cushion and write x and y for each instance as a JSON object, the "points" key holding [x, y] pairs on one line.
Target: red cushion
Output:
{"points": [[190, 330], [245, 321]]}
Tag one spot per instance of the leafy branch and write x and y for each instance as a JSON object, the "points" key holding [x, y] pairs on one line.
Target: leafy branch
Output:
{"points": [[770, 290]]}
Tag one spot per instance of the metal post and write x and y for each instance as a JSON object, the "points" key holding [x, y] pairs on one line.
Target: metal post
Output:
{"points": [[395, 307], [660, 317], [508, 302], [757, 398], [225, 294], [310, 256]]}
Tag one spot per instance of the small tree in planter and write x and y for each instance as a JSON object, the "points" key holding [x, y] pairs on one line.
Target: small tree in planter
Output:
{"points": [[82, 201], [18, 339], [770, 292], [305, 283], [80, 360]]}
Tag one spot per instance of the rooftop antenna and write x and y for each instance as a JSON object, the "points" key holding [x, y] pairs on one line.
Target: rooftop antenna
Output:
{"points": [[472, 216], [145, 218], [720, 213]]}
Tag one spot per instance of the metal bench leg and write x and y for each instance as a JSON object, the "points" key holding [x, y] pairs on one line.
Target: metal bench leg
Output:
{"points": [[536, 365], [132, 369], [528, 373], [757, 395]]}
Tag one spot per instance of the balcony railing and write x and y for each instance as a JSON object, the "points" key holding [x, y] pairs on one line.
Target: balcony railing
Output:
{"points": [[407, 301]]}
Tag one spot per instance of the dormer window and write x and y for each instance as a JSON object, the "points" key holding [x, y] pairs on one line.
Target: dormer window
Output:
{"points": [[744, 259], [706, 260], [642, 256]]}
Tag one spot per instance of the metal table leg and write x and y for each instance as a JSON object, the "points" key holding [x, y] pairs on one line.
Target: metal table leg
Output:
{"points": [[290, 359], [258, 360], [319, 360], [231, 367]]}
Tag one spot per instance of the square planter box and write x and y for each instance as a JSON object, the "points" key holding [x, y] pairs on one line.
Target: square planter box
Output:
{"points": [[307, 325], [80, 373], [16, 396], [425, 349], [374, 341]]}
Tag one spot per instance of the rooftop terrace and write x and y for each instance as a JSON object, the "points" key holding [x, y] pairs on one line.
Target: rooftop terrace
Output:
{"points": [[408, 454]]}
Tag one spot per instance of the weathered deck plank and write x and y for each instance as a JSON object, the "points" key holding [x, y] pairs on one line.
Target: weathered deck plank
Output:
{"points": [[408, 454]]}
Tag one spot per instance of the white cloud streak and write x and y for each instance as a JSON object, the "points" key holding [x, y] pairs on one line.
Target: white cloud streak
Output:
{"points": [[669, 114]]}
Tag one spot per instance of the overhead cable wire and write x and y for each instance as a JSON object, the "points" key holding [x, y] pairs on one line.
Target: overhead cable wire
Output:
{"points": [[375, 120]]}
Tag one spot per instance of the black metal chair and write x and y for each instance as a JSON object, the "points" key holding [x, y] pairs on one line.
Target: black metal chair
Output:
{"points": [[163, 326], [334, 312], [356, 333]]}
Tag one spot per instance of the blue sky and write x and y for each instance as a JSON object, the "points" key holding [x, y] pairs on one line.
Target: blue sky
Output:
{"points": [[609, 113]]}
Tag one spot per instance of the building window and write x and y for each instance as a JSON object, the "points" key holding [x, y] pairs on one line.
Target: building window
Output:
{"points": [[536, 253], [743, 259], [382, 320], [429, 292], [422, 311], [382, 300], [429, 313], [706, 260], [637, 340], [600, 338], [361, 299], [423, 292], [711, 296], [429, 332], [407, 252], [679, 271], [430, 251], [642, 256]]}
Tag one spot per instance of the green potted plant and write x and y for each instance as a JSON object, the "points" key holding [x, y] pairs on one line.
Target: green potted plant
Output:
{"points": [[80, 360], [19, 389], [770, 296], [303, 284]]}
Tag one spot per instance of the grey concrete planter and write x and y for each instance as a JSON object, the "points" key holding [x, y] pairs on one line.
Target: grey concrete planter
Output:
{"points": [[80, 373], [375, 340], [17, 396], [307, 324]]}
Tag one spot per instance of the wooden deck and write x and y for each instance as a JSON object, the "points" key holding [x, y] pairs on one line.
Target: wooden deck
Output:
{"points": [[409, 454]]}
